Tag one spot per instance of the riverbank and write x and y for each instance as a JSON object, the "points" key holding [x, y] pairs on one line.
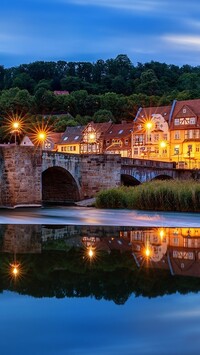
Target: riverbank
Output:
{"points": [[90, 202]]}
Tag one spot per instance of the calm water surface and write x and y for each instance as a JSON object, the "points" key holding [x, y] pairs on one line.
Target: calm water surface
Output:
{"points": [[121, 300]]}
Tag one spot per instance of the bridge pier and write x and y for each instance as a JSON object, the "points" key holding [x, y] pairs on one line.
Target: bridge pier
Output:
{"points": [[20, 176]]}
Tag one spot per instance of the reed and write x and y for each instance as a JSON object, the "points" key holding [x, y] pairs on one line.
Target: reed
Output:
{"points": [[156, 195]]}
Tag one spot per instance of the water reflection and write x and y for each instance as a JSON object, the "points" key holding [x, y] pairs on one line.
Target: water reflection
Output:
{"points": [[106, 262]]}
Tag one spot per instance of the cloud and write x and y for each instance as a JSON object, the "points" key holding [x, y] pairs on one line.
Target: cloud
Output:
{"points": [[183, 41], [186, 314]]}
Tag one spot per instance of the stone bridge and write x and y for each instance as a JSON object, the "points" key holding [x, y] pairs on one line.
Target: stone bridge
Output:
{"points": [[31, 177]]}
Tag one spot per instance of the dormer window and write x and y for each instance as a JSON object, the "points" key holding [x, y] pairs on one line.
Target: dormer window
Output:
{"points": [[176, 121], [192, 120]]}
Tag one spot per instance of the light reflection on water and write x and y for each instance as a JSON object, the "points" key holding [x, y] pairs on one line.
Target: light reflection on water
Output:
{"points": [[93, 216], [120, 302]]}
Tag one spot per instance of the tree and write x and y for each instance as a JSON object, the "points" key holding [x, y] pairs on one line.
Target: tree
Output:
{"points": [[149, 83], [103, 116], [24, 81]]}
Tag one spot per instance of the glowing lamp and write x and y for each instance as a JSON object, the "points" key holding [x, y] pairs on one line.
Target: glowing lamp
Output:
{"points": [[42, 136], [147, 252], [91, 253], [92, 137], [162, 233], [15, 125], [148, 125], [14, 269], [163, 144]]}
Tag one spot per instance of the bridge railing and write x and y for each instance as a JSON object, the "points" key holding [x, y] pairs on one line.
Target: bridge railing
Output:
{"points": [[148, 163]]}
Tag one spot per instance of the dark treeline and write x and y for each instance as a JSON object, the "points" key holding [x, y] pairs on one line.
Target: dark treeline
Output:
{"points": [[113, 277], [104, 90]]}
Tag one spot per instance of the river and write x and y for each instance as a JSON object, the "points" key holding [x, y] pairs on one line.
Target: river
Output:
{"points": [[93, 216]]}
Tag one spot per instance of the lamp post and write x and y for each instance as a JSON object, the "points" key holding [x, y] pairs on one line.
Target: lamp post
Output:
{"points": [[163, 145], [41, 136], [15, 129], [148, 127]]}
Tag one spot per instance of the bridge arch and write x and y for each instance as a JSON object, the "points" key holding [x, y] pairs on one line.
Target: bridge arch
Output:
{"points": [[59, 186], [129, 180]]}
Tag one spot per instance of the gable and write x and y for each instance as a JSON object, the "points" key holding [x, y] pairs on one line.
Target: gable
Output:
{"points": [[185, 111]]}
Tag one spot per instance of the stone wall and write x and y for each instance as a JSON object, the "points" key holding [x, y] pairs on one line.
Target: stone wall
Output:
{"points": [[20, 176], [99, 172]]}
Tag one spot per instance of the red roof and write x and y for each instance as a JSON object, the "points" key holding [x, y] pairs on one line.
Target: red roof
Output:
{"points": [[148, 112]]}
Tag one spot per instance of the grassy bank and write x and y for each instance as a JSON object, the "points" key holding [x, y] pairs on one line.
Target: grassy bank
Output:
{"points": [[157, 195]]}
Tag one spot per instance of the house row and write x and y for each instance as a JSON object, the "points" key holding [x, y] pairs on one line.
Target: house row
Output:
{"points": [[94, 138], [168, 133]]}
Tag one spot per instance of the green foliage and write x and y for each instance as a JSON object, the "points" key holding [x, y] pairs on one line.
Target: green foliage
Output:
{"points": [[103, 116], [114, 85], [183, 196]]}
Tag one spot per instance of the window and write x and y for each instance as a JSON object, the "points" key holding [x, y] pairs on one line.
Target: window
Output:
{"points": [[192, 120], [197, 134], [197, 148], [65, 138], [77, 137], [156, 137], [176, 135], [135, 151], [176, 121], [176, 241], [184, 110], [165, 136], [121, 131], [176, 150]]}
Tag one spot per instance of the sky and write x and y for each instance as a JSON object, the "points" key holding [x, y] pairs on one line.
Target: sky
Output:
{"points": [[167, 31]]}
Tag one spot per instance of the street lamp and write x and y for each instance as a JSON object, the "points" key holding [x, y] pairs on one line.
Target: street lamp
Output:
{"points": [[15, 129], [165, 146], [41, 137], [148, 127]]}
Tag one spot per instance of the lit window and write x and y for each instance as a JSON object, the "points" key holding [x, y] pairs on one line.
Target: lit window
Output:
{"points": [[176, 150], [65, 138], [156, 137], [176, 135], [121, 131], [77, 137], [192, 120], [176, 121]]}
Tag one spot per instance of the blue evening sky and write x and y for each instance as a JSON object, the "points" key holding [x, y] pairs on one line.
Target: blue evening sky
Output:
{"points": [[87, 30]]}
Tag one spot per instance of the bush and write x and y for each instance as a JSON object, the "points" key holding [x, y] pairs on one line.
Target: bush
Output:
{"points": [[155, 195]]}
